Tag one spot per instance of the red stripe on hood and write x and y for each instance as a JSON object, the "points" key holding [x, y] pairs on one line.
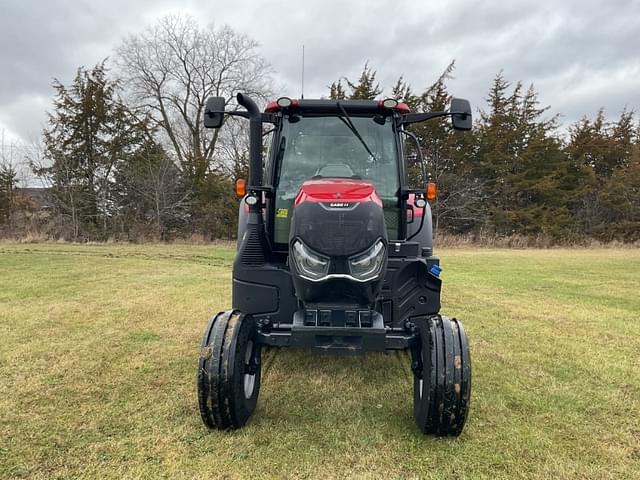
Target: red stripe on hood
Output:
{"points": [[329, 190]]}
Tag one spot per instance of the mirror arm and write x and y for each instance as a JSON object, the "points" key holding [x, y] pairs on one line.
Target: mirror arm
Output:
{"points": [[410, 118], [266, 117], [241, 113], [421, 117]]}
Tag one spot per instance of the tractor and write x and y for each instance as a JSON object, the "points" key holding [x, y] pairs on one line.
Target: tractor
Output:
{"points": [[335, 254]]}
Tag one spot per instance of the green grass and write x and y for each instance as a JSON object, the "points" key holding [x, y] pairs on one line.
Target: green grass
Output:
{"points": [[99, 346]]}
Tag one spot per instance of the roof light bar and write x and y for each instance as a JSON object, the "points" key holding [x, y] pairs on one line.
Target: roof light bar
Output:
{"points": [[286, 102]]}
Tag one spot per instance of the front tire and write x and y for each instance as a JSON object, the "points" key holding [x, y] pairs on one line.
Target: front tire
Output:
{"points": [[229, 371], [442, 377]]}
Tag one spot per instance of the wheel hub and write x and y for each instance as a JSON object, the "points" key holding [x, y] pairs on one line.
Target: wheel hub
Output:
{"points": [[249, 376]]}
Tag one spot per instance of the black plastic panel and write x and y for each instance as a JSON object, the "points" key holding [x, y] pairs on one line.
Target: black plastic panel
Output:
{"points": [[253, 292], [404, 249], [409, 289], [255, 297]]}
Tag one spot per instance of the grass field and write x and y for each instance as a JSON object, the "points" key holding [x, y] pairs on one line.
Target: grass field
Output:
{"points": [[99, 346]]}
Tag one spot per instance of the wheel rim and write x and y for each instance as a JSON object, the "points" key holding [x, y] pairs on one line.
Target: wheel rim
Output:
{"points": [[249, 379]]}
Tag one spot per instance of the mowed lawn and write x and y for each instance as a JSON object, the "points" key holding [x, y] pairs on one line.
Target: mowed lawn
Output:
{"points": [[99, 346]]}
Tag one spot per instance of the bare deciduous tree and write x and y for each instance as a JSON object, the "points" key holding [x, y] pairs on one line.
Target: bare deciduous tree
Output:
{"points": [[233, 148], [172, 68], [149, 192]]}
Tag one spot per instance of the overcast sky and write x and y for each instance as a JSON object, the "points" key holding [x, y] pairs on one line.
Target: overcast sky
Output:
{"points": [[580, 55]]}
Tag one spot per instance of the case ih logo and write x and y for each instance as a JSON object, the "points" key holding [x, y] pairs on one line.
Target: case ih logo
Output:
{"points": [[339, 205]]}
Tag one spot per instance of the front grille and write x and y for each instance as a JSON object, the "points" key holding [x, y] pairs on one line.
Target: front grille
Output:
{"points": [[335, 238]]}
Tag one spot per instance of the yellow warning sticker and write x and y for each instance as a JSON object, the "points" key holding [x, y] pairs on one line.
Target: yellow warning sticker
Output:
{"points": [[282, 213]]}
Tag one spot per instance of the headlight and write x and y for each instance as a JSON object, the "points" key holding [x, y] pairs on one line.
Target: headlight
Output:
{"points": [[309, 264], [368, 265]]}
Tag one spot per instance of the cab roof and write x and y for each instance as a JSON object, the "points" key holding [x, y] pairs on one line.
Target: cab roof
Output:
{"points": [[285, 104]]}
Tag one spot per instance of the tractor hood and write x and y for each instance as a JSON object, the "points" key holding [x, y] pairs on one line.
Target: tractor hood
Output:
{"points": [[337, 241], [338, 217]]}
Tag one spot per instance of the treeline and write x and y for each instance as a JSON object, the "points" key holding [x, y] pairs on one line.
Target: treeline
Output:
{"points": [[517, 172], [124, 155]]}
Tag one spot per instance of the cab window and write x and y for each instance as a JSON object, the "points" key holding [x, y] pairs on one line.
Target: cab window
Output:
{"points": [[326, 146]]}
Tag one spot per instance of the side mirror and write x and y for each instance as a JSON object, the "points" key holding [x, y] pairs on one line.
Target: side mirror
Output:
{"points": [[460, 114], [214, 112]]}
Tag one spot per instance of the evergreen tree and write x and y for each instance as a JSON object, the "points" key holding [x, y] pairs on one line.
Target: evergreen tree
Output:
{"points": [[8, 181], [622, 135], [525, 168], [605, 153], [366, 87], [336, 91], [402, 92], [448, 156], [620, 199], [91, 133]]}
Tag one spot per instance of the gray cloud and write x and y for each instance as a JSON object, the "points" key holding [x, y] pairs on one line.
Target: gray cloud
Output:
{"points": [[40, 41], [580, 55]]}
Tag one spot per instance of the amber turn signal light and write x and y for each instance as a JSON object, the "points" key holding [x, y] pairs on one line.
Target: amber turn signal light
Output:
{"points": [[432, 191], [241, 188]]}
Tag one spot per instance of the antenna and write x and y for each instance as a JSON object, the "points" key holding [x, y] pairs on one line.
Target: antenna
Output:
{"points": [[302, 89]]}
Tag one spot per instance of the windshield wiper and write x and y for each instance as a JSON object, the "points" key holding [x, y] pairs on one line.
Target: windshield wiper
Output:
{"points": [[347, 121]]}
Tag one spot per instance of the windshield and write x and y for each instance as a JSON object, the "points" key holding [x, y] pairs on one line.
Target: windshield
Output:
{"points": [[326, 146]]}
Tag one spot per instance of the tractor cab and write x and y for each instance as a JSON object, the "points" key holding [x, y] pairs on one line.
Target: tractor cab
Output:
{"points": [[335, 254], [313, 145]]}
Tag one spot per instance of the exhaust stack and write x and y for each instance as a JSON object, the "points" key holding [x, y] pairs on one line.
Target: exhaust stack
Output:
{"points": [[253, 246], [255, 140]]}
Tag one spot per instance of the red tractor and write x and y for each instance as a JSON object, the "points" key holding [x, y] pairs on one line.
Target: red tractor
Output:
{"points": [[335, 254]]}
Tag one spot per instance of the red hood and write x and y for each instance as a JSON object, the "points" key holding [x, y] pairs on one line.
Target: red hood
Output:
{"points": [[336, 190]]}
